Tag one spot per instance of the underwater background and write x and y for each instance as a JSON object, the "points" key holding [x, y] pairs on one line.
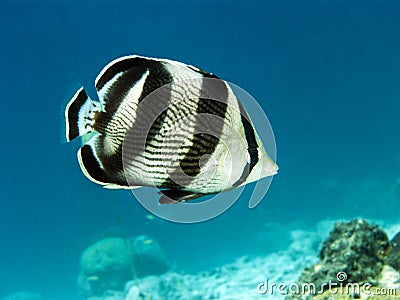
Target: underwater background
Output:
{"points": [[326, 73]]}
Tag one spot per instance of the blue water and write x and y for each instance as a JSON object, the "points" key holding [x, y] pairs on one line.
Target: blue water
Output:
{"points": [[327, 74]]}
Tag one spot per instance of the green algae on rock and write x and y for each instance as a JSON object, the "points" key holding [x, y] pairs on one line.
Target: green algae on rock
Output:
{"points": [[393, 258], [354, 252]]}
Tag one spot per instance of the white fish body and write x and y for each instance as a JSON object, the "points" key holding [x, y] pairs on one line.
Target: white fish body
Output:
{"points": [[165, 124]]}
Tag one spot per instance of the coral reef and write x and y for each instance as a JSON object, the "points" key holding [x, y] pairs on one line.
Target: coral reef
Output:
{"points": [[237, 280], [105, 265], [148, 257], [111, 262], [354, 252], [387, 288], [356, 247], [370, 294], [393, 258]]}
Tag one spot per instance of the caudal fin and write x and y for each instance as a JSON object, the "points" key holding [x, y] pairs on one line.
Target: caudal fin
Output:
{"points": [[79, 115]]}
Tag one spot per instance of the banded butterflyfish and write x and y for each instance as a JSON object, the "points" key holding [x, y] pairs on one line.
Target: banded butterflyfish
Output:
{"points": [[165, 124]]}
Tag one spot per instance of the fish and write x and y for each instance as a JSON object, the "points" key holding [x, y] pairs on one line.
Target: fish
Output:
{"points": [[150, 217], [165, 124]]}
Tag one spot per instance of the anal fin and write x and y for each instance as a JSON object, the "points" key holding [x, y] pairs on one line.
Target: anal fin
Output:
{"points": [[176, 196], [114, 186]]}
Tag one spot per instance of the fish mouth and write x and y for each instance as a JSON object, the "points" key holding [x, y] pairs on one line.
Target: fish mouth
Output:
{"points": [[271, 166]]}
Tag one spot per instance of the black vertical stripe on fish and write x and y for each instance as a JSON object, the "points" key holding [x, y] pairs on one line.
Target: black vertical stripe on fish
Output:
{"points": [[243, 177], [131, 70], [99, 170], [120, 67], [213, 100], [158, 76], [160, 110], [252, 146], [151, 114], [120, 88], [112, 163], [73, 114]]}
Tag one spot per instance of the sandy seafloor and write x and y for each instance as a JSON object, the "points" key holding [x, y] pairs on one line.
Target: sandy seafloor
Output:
{"points": [[241, 278], [326, 73]]}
